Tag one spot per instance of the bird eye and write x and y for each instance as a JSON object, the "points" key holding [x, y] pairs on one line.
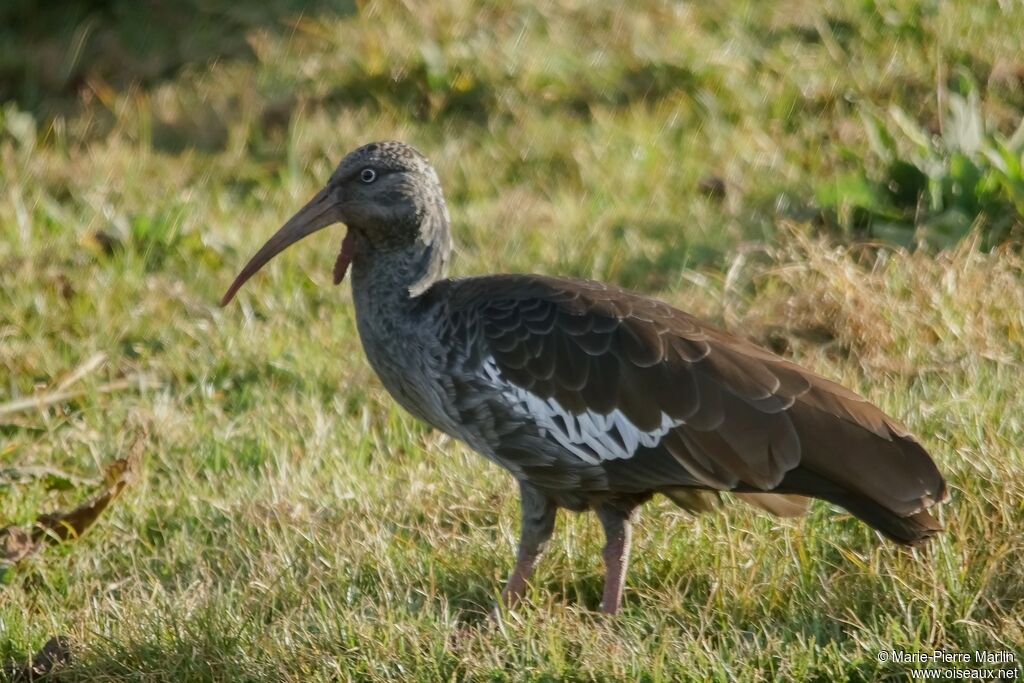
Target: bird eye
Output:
{"points": [[367, 175]]}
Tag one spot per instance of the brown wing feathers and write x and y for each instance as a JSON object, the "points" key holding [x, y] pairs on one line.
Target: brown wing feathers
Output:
{"points": [[742, 418]]}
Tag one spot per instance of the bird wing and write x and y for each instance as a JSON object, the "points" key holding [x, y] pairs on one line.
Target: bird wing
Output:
{"points": [[616, 378]]}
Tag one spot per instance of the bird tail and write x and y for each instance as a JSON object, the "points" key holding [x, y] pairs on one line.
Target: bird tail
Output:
{"points": [[909, 530], [869, 465]]}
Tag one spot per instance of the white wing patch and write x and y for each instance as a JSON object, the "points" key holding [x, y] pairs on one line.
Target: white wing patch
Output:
{"points": [[590, 436]]}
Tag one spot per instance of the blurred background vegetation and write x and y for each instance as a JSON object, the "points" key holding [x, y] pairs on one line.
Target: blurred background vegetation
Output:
{"points": [[839, 180], [898, 121]]}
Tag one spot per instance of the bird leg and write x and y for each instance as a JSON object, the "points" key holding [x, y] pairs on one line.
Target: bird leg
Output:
{"points": [[618, 533], [538, 522]]}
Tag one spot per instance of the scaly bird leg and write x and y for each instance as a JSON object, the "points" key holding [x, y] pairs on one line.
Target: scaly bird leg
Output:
{"points": [[538, 521], [618, 532]]}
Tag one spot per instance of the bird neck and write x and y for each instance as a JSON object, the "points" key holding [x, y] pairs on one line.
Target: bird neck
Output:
{"points": [[396, 323], [399, 270], [389, 278], [392, 279]]}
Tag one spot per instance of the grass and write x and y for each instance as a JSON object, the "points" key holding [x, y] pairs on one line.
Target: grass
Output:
{"points": [[290, 523]]}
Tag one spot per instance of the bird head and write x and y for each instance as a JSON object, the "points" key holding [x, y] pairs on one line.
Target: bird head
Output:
{"points": [[387, 194]]}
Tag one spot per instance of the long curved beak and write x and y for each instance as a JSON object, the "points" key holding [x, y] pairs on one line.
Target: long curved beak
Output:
{"points": [[317, 214]]}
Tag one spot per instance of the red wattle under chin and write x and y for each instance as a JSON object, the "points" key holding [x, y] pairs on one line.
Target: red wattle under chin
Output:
{"points": [[348, 248]]}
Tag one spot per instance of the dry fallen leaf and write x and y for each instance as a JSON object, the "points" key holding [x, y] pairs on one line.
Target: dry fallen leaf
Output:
{"points": [[17, 543], [56, 652]]}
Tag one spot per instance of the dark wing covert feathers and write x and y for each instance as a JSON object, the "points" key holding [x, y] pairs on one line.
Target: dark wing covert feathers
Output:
{"points": [[745, 419]]}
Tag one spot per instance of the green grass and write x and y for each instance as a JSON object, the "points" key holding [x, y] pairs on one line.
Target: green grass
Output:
{"points": [[290, 523]]}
